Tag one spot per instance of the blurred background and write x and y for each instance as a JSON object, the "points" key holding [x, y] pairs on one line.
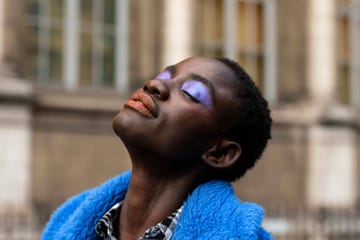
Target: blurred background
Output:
{"points": [[66, 67]]}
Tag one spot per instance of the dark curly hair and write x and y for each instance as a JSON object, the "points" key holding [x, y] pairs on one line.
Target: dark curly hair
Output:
{"points": [[251, 124]]}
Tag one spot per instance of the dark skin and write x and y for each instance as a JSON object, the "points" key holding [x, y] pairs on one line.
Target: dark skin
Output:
{"points": [[173, 136]]}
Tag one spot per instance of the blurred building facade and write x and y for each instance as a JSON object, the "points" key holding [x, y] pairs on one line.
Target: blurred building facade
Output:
{"points": [[68, 65]]}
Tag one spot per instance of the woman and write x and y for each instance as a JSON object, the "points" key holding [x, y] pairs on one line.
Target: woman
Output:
{"points": [[191, 130]]}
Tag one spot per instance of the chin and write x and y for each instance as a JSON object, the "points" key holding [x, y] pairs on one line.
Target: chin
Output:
{"points": [[125, 126], [119, 124]]}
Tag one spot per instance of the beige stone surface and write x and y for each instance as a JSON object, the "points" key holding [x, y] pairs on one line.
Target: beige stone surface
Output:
{"points": [[279, 176], [73, 156]]}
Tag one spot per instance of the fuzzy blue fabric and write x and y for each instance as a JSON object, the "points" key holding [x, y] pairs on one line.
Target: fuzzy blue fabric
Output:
{"points": [[212, 211]]}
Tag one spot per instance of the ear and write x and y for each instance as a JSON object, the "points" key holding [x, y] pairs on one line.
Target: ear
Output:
{"points": [[223, 154]]}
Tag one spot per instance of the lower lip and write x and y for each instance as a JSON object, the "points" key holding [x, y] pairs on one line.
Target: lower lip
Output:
{"points": [[138, 106]]}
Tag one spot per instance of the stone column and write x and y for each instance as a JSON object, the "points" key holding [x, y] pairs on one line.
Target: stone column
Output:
{"points": [[331, 164], [15, 145], [1, 29], [321, 51], [15, 112], [178, 28], [332, 167]]}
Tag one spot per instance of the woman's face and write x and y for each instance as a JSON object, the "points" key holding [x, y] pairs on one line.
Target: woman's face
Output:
{"points": [[180, 112]]}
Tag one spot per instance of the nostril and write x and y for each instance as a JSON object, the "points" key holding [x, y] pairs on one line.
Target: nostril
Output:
{"points": [[150, 88], [145, 88], [156, 88], [154, 91]]}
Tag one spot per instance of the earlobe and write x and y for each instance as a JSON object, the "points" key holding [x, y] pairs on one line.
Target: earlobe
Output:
{"points": [[222, 155]]}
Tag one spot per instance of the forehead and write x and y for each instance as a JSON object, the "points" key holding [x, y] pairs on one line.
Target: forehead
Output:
{"points": [[209, 68]]}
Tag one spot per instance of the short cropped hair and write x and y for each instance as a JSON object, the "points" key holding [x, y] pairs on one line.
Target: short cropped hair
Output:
{"points": [[251, 123]]}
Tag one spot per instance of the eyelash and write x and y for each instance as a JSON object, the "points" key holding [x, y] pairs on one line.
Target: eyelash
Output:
{"points": [[189, 96]]}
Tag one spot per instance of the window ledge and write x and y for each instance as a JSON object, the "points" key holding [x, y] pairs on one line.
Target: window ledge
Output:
{"points": [[16, 89], [100, 100], [310, 114]]}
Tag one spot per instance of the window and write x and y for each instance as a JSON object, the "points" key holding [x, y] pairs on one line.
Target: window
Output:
{"points": [[44, 45], [348, 51], [245, 31], [78, 43]]}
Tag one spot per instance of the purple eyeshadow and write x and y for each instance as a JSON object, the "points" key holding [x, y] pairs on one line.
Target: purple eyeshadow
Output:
{"points": [[165, 75], [198, 91]]}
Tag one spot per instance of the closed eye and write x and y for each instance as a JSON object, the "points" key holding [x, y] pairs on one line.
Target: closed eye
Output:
{"points": [[167, 73], [188, 95], [198, 92], [164, 75]]}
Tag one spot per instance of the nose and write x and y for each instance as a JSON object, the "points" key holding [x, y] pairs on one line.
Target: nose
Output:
{"points": [[157, 88]]}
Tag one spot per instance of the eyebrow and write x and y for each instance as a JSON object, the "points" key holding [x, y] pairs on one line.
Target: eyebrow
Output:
{"points": [[171, 69]]}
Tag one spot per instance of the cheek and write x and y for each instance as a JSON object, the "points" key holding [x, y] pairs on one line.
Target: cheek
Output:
{"points": [[191, 126]]}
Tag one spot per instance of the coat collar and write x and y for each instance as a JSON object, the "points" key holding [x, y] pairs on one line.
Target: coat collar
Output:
{"points": [[211, 212], [216, 212]]}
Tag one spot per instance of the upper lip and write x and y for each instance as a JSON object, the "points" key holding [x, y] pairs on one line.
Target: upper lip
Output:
{"points": [[146, 100]]}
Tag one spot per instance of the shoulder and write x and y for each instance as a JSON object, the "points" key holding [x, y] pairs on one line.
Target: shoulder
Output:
{"points": [[213, 211], [79, 214]]}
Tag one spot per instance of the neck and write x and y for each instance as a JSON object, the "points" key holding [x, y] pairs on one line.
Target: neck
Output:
{"points": [[151, 198]]}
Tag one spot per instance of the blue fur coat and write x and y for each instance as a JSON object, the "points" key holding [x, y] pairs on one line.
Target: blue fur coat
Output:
{"points": [[211, 212]]}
